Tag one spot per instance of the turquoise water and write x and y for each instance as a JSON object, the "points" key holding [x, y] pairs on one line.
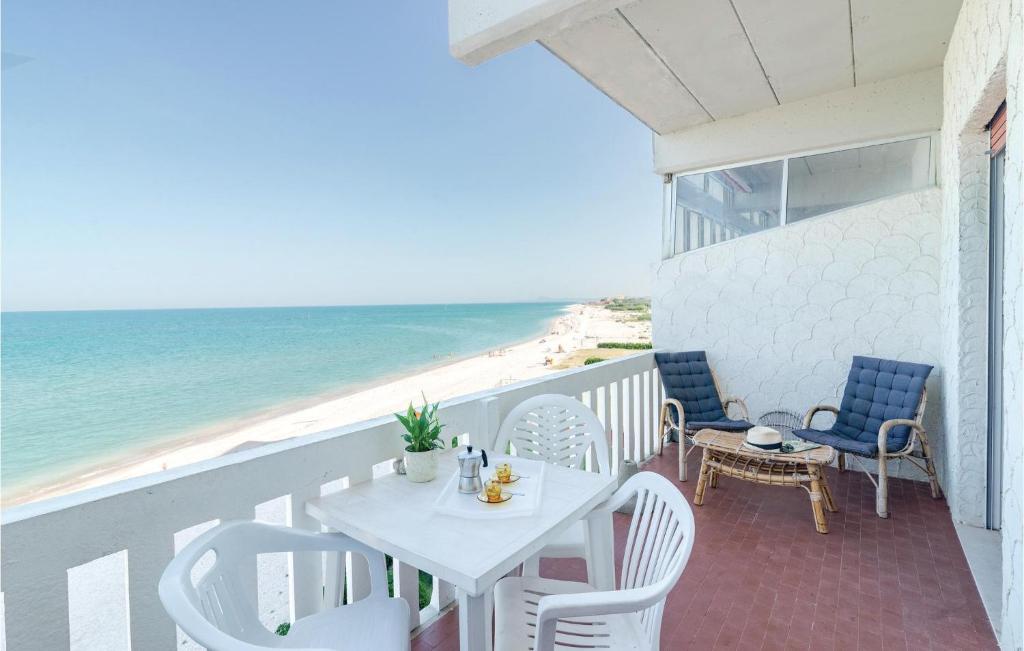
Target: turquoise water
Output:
{"points": [[79, 387]]}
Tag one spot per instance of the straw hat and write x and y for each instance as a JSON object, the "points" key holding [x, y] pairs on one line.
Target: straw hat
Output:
{"points": [[764, 438]]}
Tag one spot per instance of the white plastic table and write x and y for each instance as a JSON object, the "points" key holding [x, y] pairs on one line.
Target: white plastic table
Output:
{"points": [[395, 515]]}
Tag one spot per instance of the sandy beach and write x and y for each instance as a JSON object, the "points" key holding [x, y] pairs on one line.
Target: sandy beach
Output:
{"points": [[581, 327]]}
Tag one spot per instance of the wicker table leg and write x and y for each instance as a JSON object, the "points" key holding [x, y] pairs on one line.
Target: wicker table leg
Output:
{"points": [[826, 492], [702, 479], [817, 505]]}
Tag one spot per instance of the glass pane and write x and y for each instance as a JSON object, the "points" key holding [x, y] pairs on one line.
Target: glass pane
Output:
{"points": [[679, 245], [728, 203], [825, 182]]}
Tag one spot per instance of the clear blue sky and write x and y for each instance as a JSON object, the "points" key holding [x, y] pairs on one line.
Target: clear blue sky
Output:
{"points": [[215, 153]]}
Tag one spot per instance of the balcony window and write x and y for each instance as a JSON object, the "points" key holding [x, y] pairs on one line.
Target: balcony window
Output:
{"points": [[826, 182], [716, 206], [720, 205]]}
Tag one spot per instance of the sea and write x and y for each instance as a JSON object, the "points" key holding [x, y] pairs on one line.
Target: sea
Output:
{"points": [[80, 388]]}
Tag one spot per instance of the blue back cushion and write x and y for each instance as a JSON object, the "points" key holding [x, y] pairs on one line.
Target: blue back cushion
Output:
{"points": [[687, 378], [878, 390]]}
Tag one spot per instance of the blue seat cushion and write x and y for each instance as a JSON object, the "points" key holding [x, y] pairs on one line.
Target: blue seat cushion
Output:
{"points": [[840, 443], [687, 378], [726, 425]]}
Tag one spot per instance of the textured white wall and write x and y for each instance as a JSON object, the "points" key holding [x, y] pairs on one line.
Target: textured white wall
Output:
{"points": [[887, 109], [982, 66], [781, 313], [1012, 631], [974, 87]]}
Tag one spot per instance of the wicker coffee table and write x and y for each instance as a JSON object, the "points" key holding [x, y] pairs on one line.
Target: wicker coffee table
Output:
{"points": [[725, 454]]}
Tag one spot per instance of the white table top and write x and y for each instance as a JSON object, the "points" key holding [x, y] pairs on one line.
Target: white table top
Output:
{"points": [[397, 517]]}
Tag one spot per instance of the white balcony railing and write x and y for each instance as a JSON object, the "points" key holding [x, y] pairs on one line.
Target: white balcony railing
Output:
{"points": [[43, 543]]}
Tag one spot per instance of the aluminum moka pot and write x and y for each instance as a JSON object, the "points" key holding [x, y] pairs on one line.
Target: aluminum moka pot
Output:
{"points": [[470, 463]]}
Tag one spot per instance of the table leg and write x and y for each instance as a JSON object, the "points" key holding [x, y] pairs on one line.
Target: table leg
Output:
{"points": [[826, 492], [702, 479], [475, 621], [600, 540], [816, 506]]}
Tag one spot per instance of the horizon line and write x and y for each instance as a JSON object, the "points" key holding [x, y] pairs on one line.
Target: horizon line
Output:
{"points": [[310, 306]]}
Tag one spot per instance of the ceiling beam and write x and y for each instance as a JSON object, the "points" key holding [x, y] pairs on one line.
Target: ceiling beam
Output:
{"points": [[479, 30]]}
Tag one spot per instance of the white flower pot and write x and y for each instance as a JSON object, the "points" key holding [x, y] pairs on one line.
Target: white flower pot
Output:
{"points": [[420, 466]]}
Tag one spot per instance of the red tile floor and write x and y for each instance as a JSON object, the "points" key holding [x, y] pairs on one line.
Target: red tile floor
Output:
{"points": [[760, 577]]}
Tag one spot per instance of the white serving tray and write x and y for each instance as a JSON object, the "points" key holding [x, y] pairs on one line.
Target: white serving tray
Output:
{"points": [[466, 505]]}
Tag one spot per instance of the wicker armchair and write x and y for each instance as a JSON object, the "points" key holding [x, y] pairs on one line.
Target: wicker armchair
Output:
{"points": [[880, 418], [693, 401]]}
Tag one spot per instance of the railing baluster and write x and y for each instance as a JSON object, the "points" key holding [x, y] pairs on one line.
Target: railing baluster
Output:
{"points": [[619, 435], [488, 425], [306, 579], [606, 405], [356, 566], [642, 411], [250, 582], [636, 434], [407, 586], [595, 399], [652, 418], [335, 578], [149, 625], [443, 594]]}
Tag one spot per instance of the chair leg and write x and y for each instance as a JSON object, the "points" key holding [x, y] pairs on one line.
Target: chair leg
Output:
{"points": [[882, 491], [663, 429], [826, 492], [841, 462], [682, 456], [933, 478]]}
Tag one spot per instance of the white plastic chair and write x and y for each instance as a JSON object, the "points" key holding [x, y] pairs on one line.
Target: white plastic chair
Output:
{"points": [[534, 613], [217, 612], [559, 430]]}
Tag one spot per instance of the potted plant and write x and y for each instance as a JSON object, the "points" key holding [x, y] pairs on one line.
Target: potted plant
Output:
{"points": [[422, 438]]}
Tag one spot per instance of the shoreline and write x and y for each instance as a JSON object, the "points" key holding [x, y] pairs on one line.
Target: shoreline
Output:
{"points": [[520, 360], [114, 462]]}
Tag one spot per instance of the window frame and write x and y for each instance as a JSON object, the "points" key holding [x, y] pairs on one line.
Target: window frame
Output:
{"points": [[668, 238]]}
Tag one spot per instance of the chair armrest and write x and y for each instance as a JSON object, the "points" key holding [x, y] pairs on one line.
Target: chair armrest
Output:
{"points": [[738, 401], [676, 425], [551, 608], [883, 432], [815, 409]]}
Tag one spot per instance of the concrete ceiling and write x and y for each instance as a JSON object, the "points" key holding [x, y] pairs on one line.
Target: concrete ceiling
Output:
{"points": [[679, 63]]}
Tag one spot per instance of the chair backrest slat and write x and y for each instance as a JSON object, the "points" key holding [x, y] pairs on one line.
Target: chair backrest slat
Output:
{"points": [[658, 543], [555, 429]]}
